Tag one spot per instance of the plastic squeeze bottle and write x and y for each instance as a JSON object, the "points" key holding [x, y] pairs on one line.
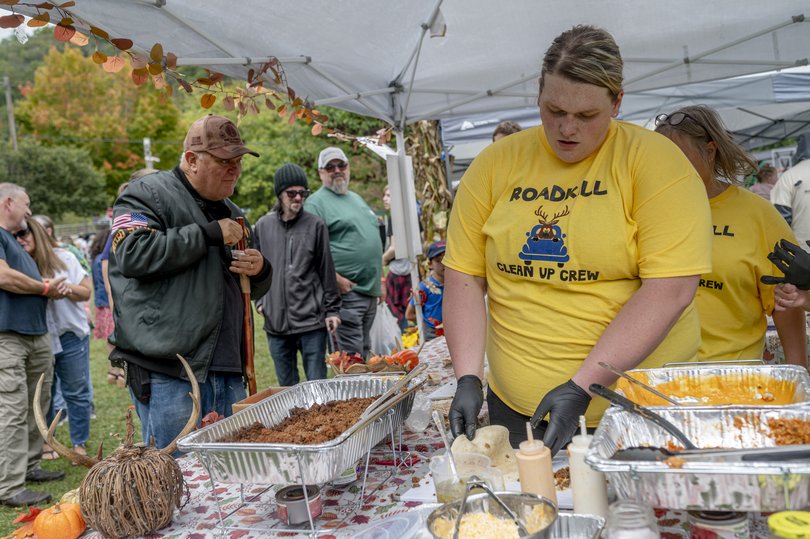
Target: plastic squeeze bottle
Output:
{"points": [[589, 487], [534, 467]]}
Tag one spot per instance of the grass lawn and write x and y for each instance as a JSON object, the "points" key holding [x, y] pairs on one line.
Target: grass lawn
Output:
{"points": [[110, 426]]}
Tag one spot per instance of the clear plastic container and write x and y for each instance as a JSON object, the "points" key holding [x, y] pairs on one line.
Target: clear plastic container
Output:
{"points": [[449, 488], [630, 520]]}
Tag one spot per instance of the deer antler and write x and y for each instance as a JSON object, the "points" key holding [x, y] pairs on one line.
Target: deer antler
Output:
{"points": [[565, 212], [195, 407], [47, 432], [541, 214]]}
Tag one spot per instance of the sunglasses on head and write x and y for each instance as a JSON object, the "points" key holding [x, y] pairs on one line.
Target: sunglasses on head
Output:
{"points": [[303, 193], [331, 167], [677, 118], [20, 234]]}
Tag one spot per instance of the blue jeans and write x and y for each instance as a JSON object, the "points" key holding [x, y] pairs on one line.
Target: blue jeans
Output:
{"points": [[357, 314], [72, 368], [170, 404], [284, 349]]}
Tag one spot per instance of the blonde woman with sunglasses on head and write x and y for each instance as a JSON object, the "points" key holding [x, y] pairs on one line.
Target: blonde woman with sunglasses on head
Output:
{"points": [[731, 301]]}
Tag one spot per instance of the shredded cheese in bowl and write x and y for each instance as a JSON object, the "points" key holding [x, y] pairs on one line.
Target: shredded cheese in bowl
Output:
{"points": [[482, 525]]}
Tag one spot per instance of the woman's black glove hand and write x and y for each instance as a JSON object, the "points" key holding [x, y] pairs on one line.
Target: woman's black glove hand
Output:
{"points": [[564, 404], [467, 402], [791, 260]]}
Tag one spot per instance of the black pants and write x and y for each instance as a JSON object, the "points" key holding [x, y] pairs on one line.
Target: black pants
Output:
{"points": [[501, 414]]}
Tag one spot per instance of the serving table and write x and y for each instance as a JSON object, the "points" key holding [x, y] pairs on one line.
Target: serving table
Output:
{"points": [[343, 516]]}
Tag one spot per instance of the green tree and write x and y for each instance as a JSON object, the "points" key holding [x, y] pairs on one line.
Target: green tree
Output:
{"points": [[58, 180], [74, 102]]}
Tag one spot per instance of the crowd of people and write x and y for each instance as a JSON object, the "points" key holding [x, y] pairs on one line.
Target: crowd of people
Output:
{"points": [[581, 241]]}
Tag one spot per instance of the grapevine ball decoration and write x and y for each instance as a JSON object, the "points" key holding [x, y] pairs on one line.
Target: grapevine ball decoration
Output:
{"points": [[135, 490]]}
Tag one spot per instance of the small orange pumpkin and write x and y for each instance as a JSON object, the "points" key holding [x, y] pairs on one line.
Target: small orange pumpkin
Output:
{"points": [[62, 521]]}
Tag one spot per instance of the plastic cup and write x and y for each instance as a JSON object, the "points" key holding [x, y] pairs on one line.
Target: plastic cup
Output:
{"points": [[449, 488]]}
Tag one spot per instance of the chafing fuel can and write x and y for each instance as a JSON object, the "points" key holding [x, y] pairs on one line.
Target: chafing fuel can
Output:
{"points": [[718, 524], [292, 505]]}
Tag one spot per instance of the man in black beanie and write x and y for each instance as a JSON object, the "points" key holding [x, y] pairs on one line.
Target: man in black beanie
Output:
{"points": [[303, 302]]}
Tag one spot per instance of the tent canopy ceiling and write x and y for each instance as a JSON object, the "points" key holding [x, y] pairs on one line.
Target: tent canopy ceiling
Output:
{"points": [[379, 59]]}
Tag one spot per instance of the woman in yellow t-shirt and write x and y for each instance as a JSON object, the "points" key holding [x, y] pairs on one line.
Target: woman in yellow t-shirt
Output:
{"points": [[731, 300], [584, 239]]}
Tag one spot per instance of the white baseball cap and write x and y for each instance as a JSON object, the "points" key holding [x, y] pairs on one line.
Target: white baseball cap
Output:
{"points": [[330, 153]]}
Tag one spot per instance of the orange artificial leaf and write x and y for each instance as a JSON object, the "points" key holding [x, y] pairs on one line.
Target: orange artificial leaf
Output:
{"points": [[99, 57], [99, 32], [140, 76], [269, 104], [71, 3], [11, 21], [291, 94], [137, 61], [122, 44], [317, 129], [79, 39], [30, 516], [307, 119], [207, 101], [9, 2], [158, 81], [169, 90], [282, 110], [45, 5], [228, 103], [250, 74], [253, 108], [156, 54], [297, 102], [242, 108], [292, 118], [205, 81], [40, 20], [171, 60], [66, 21], [216, 77], [63, 33], [186, 86], [155, 69], [114, 64]]}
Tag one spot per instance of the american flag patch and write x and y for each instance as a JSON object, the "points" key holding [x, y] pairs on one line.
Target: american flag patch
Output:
{"points": [[129, 220]]}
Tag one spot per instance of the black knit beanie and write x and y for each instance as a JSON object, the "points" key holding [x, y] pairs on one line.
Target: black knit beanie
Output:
{"points": [[289, 175]]}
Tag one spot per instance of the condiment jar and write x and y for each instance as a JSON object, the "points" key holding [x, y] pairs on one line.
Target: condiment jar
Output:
{"points": [[589, 487], [790, 524], [630, 520], [534, 467]]}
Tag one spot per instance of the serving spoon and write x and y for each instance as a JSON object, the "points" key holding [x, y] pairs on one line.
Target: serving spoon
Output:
{"points": [[437, 419], [761, 454], [639, 383]]}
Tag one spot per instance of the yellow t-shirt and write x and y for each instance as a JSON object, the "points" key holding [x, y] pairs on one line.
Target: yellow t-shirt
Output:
{"points": [[731, 300], [563, 246]]}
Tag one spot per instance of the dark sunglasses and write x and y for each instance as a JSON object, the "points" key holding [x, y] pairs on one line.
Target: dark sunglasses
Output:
{"points": [[20, 234], [677, 118], [331, 167], [303, 193]]}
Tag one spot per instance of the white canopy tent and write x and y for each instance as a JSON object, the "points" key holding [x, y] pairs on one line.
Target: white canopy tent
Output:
{"points": [[380, 58]]}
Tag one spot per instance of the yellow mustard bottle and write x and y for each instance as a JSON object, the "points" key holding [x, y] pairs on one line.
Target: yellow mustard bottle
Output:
{"points": [[534, 467]]}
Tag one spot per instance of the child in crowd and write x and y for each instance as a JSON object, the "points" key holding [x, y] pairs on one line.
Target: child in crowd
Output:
{"points": [[431, 292]]}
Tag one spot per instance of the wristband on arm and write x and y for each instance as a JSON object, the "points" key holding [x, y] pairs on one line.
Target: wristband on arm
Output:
{"points": [[46, 285]]}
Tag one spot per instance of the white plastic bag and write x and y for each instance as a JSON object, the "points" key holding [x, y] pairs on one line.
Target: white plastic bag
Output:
{"points": [[385, 334]]}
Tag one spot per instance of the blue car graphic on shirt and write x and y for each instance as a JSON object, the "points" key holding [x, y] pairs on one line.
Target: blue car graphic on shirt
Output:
{"points": [[545, 243]]}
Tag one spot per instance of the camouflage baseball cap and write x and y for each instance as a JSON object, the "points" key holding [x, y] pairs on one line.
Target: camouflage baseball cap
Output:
{"points": [[216, 135]]}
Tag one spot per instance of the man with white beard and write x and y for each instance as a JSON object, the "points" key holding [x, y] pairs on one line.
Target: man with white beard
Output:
{"points": [[356, 248]]}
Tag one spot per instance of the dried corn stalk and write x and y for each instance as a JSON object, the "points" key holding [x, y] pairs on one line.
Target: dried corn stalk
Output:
{"points": [[424, 145]]}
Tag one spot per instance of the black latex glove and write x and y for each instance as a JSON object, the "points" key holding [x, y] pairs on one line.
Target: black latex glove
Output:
{"points": [[467, 402], [563, 404], [791, 260]]}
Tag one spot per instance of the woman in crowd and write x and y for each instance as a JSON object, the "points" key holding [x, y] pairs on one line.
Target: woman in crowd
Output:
{"points": [[586, 238], [766, 178], [69, 328], [731, 301]]}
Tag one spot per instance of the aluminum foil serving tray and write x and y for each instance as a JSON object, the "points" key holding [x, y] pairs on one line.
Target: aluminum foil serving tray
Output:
{"points": [[705, 485], [740, 377], [258, 463]]}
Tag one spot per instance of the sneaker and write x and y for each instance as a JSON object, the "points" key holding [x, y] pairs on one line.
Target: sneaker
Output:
{"points": [[26, 497], [38, 475]]}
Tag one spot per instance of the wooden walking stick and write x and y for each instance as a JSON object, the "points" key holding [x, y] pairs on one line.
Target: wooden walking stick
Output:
{"points": [[247, 318]]}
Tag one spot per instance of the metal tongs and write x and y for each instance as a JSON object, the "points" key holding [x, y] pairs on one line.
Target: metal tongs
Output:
{"points": [[392, 392], [475, 482]]}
